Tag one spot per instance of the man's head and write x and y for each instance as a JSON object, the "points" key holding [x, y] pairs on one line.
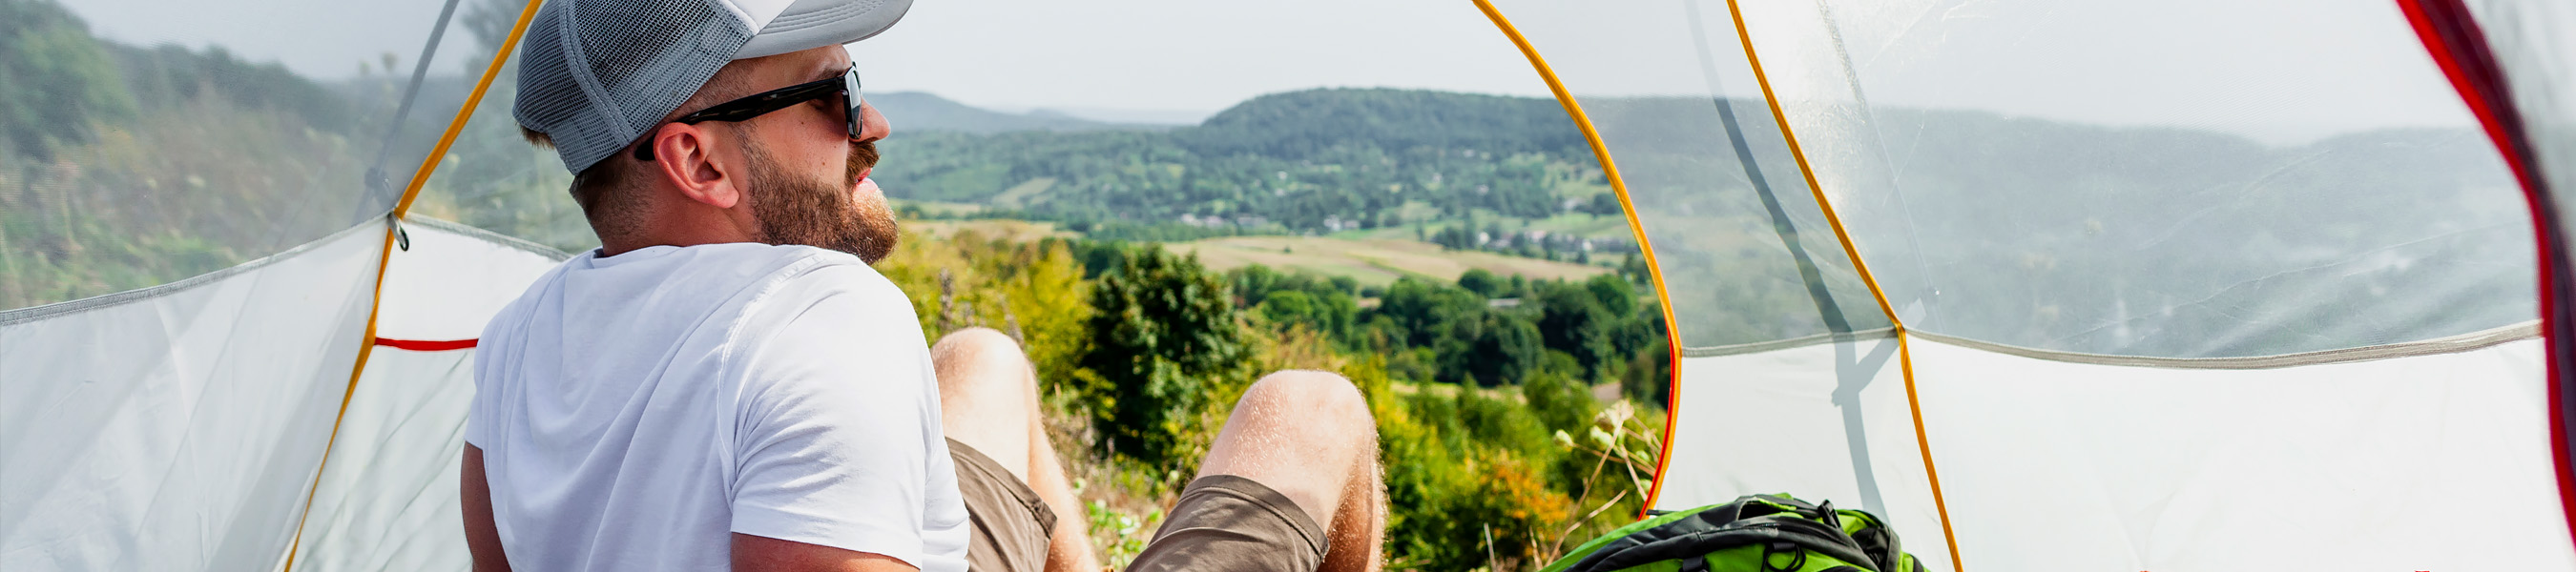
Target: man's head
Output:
{"points": [[791, 175]]}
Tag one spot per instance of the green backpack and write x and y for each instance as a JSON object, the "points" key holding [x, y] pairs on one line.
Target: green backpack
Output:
{"points": [[1757, 533]]}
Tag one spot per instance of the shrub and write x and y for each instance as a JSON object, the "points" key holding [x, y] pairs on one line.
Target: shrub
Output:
{"points": [[1164, 328]]}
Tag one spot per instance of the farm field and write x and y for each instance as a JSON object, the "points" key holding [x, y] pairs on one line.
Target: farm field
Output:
{"points": [[1572, 224], [1013, 230], [1374, 262]]}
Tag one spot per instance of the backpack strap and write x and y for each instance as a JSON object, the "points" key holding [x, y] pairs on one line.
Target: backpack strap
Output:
{"points": [[1797, 556], [1781, 532]]}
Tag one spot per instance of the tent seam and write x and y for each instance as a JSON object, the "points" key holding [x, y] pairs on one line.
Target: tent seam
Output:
{"points": [[2471, 341], [1618, 186], [1789, 343], [38, 313], [521, 244], [1904, 353]]}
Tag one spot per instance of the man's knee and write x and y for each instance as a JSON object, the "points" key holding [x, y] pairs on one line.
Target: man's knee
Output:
{"points": [[976, 344], [986, 397], [1321, 404], [1307, 435], [980, 357]]}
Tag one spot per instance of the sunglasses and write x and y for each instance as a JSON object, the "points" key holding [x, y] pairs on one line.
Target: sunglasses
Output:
{"points": [[755, 105]]}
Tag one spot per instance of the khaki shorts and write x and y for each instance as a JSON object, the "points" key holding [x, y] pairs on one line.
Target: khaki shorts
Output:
{"points": [[1222, 522]]}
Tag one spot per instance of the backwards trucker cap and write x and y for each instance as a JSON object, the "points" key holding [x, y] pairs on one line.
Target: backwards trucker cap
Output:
{"points": [[595, 74]]}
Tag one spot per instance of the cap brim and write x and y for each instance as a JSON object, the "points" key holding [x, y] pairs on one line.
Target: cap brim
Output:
{"points": [[809, 24]]}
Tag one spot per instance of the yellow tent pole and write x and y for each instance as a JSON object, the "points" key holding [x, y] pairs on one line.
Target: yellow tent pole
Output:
{"points": [[1610, 170], [1904, 353], [384, 258]]}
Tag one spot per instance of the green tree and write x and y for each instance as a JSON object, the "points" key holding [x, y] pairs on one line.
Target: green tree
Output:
{"points": [[1324, 305], [1604, 204], [1491, 348], [1557, 395], [1481, 281], [1616, 295], [1573, 321], [1421, 311], [1162, 332], [1289, 307]]}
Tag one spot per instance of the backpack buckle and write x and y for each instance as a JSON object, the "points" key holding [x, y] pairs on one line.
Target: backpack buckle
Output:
{"points": [[1825, 512], [1798, 556]]}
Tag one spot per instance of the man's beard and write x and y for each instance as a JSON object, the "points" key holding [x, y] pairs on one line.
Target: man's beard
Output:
{"points": [[806, 211]]}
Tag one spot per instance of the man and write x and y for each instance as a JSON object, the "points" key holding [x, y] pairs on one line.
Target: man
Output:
{"points": [[726, 384]]}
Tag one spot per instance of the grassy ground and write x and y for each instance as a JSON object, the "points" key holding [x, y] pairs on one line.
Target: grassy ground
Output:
{"points": [[1375, 262]]}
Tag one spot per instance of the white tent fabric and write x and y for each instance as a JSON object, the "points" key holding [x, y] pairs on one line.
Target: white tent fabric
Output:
{"points": [[178, 427], [454, 278], [1785, 420], [2060, 465], [2195, 285], [387, 497], [2053, 464], [201, 410]]}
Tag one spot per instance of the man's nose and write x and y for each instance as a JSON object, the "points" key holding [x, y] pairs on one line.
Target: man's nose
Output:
{"points": [[873, 126]]}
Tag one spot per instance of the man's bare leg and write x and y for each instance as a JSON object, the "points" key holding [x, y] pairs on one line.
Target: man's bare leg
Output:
{"points": [[1309, 436], [988, 399]]}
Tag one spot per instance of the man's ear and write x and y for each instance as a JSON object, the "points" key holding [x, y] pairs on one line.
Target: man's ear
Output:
{"points": [[684, 155]]}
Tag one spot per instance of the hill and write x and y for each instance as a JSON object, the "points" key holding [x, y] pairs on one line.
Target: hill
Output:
{"points": [[913, 111], [1311, 123], [1321, 160]]}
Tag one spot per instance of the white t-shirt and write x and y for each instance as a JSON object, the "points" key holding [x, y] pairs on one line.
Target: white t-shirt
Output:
{"points": [[636, 409]]}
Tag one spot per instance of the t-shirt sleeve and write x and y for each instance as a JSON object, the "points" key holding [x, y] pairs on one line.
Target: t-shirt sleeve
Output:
{"points": [[478, 421], [836, 427], [482, 413]]}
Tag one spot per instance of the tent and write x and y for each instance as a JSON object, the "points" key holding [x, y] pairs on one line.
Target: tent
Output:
{"points": [[2069, 328], [2291, 295]]}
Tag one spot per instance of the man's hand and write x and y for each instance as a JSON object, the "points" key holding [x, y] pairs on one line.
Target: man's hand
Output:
{"points": [[765, 554]]}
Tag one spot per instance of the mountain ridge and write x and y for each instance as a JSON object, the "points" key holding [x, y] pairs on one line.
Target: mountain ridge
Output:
{"points": [[928, 112]]}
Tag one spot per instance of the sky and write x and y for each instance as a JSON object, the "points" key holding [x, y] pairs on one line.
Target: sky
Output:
{"points": [[1162, 57], [1187, 54], [2282, 70]]}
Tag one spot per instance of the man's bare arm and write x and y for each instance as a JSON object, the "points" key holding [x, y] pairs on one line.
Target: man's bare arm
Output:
{"points": [[764, 554], [482, 538]]}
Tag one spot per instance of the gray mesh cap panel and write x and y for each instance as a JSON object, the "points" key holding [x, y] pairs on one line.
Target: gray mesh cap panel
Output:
{"points": [[810, 23], [596, 73]]}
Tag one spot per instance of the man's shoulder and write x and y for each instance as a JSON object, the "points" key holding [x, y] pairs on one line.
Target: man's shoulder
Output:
{"points": [[828, 316], [720, 285], [815, 280], [831, 295]]}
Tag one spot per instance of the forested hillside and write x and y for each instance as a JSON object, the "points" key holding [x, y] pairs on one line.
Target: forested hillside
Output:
{"points": [[1309, 161], [125, 166]]}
